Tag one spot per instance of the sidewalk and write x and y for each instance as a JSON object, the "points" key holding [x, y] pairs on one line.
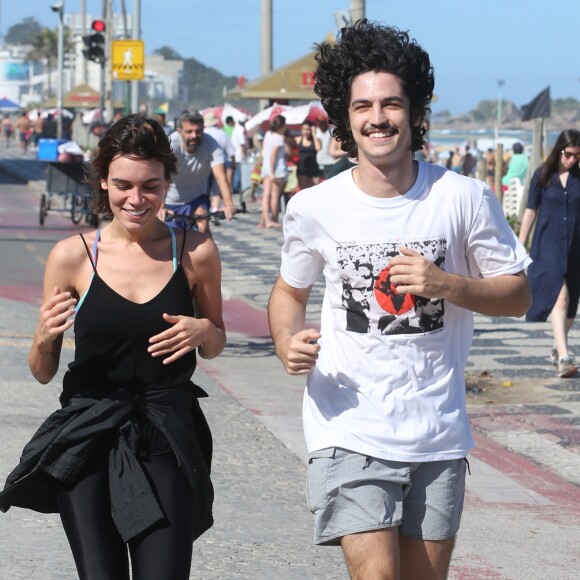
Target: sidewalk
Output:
{"points": [[523, 500], [523, 497]]}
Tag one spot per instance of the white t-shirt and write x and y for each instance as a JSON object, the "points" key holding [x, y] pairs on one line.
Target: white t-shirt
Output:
{"points": [[239, 142], [323, 157], [274, 142], [193, 170], [389, 378], [224, 141]]}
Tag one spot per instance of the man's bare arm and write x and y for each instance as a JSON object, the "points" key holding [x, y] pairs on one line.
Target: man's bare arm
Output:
{"points": [[219, 173], [296, 347], [507, 295]]}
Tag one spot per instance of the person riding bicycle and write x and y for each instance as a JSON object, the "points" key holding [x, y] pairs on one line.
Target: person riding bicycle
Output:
{"points": [[199, 157]]}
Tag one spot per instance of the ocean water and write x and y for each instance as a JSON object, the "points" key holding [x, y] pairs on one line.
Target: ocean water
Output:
{"points": [[482, 139]]}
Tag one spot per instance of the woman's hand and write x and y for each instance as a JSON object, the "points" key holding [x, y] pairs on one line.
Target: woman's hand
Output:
{"points": [[55, 316], [185, 335]]}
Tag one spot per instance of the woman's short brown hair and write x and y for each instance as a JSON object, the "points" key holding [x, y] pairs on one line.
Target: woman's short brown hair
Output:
{"points": [[136, 137]]}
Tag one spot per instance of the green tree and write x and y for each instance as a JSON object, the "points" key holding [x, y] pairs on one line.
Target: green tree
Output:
{"points": [[167, 53], [45, 49], [563, 106], [23, 32], [204, 86]]}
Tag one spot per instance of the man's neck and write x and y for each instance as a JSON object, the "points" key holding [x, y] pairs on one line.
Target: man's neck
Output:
{"points": [[388, 181]]}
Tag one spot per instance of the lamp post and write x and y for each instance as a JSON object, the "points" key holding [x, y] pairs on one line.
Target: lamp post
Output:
{"points": [[500, 84], [357, 10], [60, 9]]}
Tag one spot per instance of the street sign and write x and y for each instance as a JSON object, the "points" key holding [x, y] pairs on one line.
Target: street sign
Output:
{"points": [[128, 62]]}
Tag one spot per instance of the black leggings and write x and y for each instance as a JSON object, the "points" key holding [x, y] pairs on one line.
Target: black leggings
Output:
{"points": [[162, 551]]}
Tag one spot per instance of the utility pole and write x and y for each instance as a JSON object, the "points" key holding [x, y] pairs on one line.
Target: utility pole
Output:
{"points": [[500, 84], [357, 10], [83, 33], [60, 50], [266, 43], [106, 70], [103, 68], [136, 35]]}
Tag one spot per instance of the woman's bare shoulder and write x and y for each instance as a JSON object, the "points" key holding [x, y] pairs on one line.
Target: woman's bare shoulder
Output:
{"points": [[199, 246], [71, 252]]}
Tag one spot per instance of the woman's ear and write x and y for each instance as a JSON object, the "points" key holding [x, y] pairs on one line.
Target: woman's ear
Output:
{"points": [[104, 184]]}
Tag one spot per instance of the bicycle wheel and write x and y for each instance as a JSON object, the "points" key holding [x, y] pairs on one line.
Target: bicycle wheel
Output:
{"points": [[250, 194], [76, 208], [43, 209]]}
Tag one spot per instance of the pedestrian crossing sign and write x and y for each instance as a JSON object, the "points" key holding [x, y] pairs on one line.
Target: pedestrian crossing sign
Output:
{"points": [[128, 60]]}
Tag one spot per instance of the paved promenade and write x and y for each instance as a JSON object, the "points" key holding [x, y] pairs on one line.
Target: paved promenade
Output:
{"points": [[523, 499]]}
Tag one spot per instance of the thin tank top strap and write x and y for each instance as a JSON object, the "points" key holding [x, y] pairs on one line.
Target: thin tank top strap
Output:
{"points": [[91, 256], [173, 247], [96, 248], [93, 259], [182, 246]]}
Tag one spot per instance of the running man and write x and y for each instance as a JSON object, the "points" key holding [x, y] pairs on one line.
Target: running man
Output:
{"points": [[408, 251]]}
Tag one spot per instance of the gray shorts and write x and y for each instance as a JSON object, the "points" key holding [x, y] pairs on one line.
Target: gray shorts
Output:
{"points": [[350, 493]]}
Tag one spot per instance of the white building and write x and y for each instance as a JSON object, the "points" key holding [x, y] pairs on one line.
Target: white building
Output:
{"points": [[26, 82]]}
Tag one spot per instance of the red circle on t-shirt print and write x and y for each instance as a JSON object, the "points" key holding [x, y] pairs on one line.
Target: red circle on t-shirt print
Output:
{"points": [[388, 297]]}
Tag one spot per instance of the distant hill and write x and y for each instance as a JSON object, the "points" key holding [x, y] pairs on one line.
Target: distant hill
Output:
{"points": [[205, 87], [565, 114]]}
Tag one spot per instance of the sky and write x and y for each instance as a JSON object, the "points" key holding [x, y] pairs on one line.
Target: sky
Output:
{"points": [[528, 44]]}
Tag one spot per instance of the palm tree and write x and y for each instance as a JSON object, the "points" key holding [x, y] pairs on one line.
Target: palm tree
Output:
{"points": [[45, 49]]}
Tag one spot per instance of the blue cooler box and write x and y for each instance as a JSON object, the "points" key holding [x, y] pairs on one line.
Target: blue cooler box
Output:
{"points": [[48, 149]]}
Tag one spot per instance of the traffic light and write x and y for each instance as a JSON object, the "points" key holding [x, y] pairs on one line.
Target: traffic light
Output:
{"points": [[95, 42]]}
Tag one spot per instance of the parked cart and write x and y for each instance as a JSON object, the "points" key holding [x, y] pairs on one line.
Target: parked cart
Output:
{"points": [[67, 192]]}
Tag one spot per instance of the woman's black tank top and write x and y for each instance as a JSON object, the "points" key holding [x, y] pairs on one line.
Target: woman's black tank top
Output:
{"points": [[112, 336], [307, 164]]}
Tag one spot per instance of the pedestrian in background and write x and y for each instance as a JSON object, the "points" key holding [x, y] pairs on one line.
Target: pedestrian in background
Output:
{"points": [[308, 169], [517, 166], [126, 460], [7, 130], [211, 127], [274, 172], [324, 158], [469, 163], [24, 130], [554, 206], [490, 168]]}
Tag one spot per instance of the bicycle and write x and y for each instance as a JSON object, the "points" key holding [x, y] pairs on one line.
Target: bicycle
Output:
{"points": [[67, 181], [213, 217]]}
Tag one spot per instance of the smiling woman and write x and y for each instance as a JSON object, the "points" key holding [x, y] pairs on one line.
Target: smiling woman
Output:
{"points": [[146, 299]]}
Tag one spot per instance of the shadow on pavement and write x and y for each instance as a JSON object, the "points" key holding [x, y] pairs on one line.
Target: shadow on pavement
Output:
{"points": [[21, 171]]}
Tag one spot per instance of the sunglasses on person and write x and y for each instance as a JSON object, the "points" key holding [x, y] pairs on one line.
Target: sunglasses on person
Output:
{"points": [[569, 155]]}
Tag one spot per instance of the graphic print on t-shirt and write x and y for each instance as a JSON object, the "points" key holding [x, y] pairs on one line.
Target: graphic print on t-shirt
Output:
{"points": [[372, 303]]}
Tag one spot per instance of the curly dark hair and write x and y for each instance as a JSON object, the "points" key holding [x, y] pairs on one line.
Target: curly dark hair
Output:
{"points": [[568, 138], [136, 137], [369, 46]]}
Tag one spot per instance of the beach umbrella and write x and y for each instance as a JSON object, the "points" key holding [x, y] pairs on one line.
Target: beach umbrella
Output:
{"points": [[295, 116], [66, 114], [90, 116], [316, 112], [33, 114], [8, 106], [262, 118], [222, 112]]}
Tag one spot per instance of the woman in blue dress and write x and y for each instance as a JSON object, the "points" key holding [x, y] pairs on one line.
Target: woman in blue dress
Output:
{"points": [[554, 206]]}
